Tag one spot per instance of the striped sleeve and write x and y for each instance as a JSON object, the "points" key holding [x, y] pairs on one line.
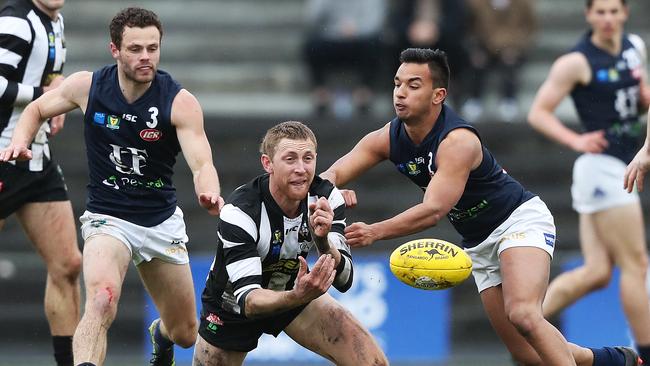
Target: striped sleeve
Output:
{"points": [[345, 270], [238, 233], [16, 36]]}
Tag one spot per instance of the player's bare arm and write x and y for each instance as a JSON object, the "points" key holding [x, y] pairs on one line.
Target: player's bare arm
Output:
{"points": [[567, 72], [320, 222], [309, 286], [459, 153], [71, 94], [187, 117], [369, 151], [639, 166]]}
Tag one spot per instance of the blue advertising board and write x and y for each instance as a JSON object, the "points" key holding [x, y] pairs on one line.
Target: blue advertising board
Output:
{"points": [[410, 325]]}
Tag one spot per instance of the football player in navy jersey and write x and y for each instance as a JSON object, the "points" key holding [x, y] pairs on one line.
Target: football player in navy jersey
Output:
{"points": [[259, 281], [136, 120], [605, 75], [508, 232]]}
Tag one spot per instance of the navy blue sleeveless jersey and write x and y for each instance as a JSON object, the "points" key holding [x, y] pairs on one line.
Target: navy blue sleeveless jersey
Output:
{"points": [[610, 101], [131, 149], [490, 194]]}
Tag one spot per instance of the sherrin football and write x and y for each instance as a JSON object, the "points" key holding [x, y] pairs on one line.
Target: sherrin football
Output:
{"points": [[430, 264]]}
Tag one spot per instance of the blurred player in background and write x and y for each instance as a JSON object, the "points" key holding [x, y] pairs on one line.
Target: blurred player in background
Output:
{"points": [[605, 76], [137, 119], [32, 54], [508, 232], [259, 281]]}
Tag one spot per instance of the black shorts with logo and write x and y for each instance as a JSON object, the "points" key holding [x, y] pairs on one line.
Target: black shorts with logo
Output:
{"points": [[232, 333], [19, 186]]}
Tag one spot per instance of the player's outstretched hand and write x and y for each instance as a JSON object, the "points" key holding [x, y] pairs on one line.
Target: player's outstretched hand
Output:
{"points": [[211, 202], [320, 217], [310, 286], [637, 170], [593, 142], [350, 197], [360, 234], [15, 152]]}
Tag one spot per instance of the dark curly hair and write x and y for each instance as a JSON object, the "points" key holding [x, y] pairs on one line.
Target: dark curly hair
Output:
{"points": [[132, 17]]}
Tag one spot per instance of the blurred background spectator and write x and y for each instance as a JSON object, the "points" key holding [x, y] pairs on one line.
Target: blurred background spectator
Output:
{"points": [[501, 32], [429, 24], [343, 36]]}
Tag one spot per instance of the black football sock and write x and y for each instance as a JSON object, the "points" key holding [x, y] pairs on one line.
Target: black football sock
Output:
{"points": [[607, 356], [62, 350], [162, 341]]}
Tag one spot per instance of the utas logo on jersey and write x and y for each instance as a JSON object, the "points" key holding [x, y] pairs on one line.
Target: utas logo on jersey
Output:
{"points": [[99, 118], [113, 122], [150, 134]]}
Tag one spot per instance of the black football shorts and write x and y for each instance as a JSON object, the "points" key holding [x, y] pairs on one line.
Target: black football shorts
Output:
{"points": [[19, 186], [232, 333]]}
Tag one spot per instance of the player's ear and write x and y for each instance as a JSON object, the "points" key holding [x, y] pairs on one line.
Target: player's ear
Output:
{"points": [[115, 51], [439, 95], [267, 164]]}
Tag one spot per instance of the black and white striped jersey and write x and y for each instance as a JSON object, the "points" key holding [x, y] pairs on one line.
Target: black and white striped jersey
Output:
{"points": [[258, 246], [32, 53]]}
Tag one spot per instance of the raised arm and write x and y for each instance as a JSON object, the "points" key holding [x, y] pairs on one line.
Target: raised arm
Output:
{"points": [[369, 151], [566, 73], [187, 117], [458, 154], [71, 94]]}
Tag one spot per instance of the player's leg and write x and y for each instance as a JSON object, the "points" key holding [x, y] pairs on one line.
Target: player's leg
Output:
{"points": [[595, 273], [206, 354], [622, 230], [105, 262], [172, 291], [328, 329], [525, 272], [50, 227]]}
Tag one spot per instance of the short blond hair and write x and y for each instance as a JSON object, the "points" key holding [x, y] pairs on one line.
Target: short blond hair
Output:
{"points": [[292, 130]]}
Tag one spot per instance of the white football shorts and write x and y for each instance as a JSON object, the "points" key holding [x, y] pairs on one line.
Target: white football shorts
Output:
{"points": [[598, 184], [165, 241], [530, 225]]}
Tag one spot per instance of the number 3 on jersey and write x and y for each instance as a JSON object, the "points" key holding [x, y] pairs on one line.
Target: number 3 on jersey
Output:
{"points": [[154, 117]]}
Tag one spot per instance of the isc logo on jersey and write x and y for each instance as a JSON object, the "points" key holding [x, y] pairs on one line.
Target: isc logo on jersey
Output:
{"points": [[150, 134], [430, 264]]}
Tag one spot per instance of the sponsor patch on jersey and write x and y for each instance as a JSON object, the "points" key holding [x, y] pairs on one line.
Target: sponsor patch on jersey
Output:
{"points": [[550, 239], [150, 134], [602, 75], [99, 118], [613, 75], [113, 122]]}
